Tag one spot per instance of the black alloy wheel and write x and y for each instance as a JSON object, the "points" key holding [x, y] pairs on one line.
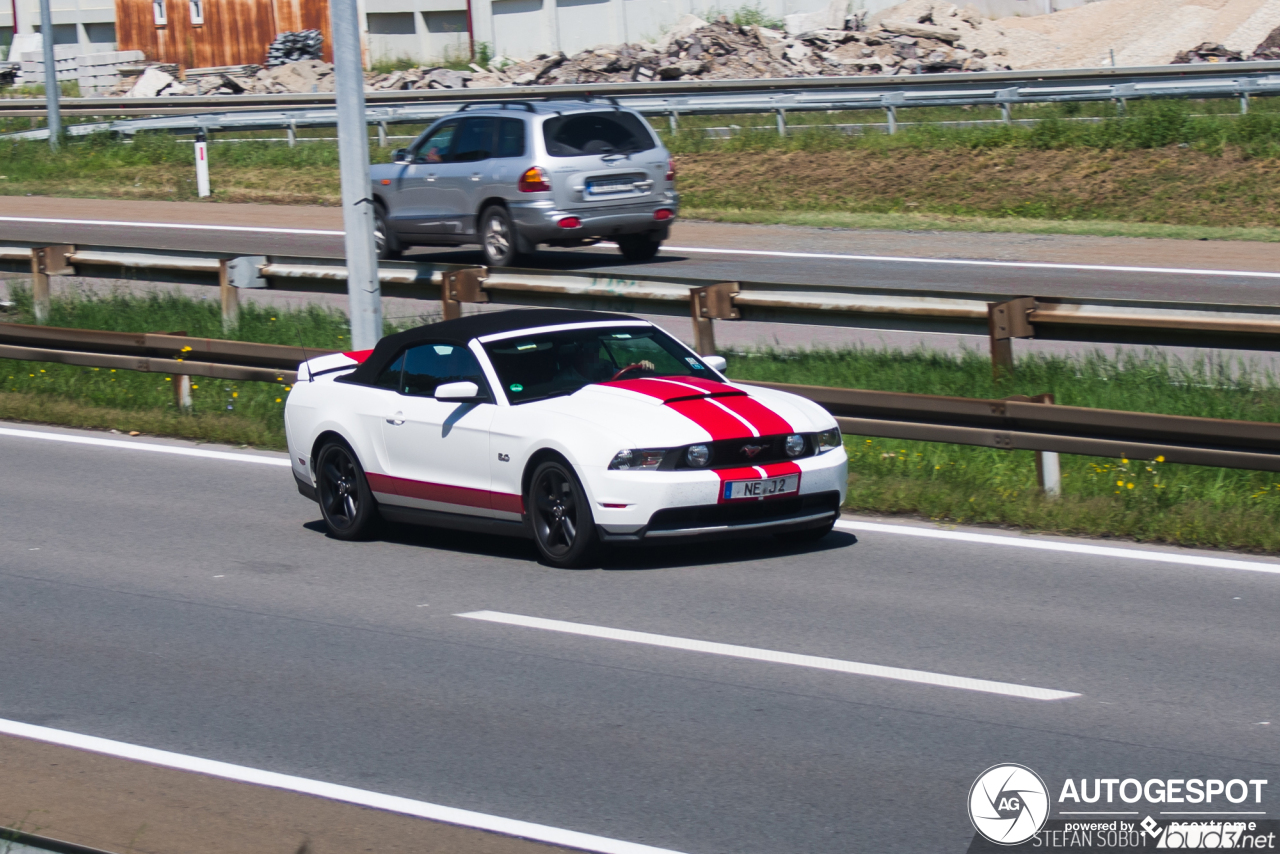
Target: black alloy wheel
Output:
{"points": [[563, 526], [388, 244], [345, 499], [639, 247], [498, 238]]}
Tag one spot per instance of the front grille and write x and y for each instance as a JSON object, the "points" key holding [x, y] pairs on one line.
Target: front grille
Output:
{"points": [[731, 453], [710, 515]]}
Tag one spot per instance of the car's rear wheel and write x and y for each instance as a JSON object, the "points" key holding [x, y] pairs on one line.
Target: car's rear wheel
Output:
{"points": [[639, 247], [346, 501], [389, 247], [498, 238], [563, 526]]}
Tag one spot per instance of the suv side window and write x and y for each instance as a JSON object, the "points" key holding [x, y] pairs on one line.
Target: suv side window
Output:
{"points": [[435, 148], [510, 138], [474, 140], [430, 365]]}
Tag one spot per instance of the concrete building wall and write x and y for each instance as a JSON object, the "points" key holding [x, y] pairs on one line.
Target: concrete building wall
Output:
{"points": [[420, 30]]}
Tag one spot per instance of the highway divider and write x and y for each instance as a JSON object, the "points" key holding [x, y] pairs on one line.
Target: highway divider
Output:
{"points": [[1010, 424], [998, 316]]}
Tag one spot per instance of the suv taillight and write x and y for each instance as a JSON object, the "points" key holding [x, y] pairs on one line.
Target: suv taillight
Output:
{"points": [[534, 180], [671, 169]]}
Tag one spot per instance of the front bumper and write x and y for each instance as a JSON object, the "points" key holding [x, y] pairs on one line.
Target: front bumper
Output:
{"points": [[537, 220], [660, 506]]}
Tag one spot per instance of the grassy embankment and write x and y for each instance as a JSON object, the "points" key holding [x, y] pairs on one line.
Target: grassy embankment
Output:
{"points": [[1147, 500], [1168, 169]]}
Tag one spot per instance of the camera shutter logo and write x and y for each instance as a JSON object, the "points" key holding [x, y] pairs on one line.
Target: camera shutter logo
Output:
{"points": [[1008, 804]]}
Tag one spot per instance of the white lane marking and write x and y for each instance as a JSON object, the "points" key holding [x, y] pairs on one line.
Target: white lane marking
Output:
{"points": [[145, 446], [185, 226], [1023, 265], [1074, 548], [332, 791], [922, 677]]}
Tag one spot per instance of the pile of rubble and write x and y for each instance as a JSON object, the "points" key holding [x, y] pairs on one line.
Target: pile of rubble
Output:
{"points": [[721, 50], [1210, 52]]}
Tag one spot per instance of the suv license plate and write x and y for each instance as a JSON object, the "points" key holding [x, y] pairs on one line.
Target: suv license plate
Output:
{"points": [[766, 488], [604, 188]]}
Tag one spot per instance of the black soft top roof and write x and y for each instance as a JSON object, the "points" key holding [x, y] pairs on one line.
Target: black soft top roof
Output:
{"points": [[464, 329]]}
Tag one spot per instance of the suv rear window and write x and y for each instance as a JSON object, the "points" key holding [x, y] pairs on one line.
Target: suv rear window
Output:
{"points": [[596, 133]]}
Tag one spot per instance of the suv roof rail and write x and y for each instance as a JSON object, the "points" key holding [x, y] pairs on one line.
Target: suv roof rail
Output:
{"points": [[528, 105], [588, 97]]}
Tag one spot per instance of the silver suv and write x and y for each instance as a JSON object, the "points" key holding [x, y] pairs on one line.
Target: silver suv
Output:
{"points": [[511, 175]]}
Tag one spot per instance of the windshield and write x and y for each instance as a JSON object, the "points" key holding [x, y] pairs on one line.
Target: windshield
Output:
{"points": [[596, 133], [555, 363]]}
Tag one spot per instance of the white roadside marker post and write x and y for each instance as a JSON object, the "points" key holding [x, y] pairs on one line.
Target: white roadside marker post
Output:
{"points": [[202, 164]]}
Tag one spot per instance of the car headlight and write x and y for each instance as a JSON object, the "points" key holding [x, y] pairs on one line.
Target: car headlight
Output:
{"points": [[828, 440], [641, 459], [697, 455], [794, 445]]}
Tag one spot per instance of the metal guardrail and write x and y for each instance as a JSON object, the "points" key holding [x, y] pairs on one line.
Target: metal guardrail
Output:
{"points": [[1001, 319], [1004, 424], [719, 97]]}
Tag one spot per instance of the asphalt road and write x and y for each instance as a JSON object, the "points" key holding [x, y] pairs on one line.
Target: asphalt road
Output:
{"points": [[1085, 266], [195, 605]]}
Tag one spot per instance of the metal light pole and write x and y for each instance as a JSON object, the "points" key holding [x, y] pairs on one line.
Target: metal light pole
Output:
{"points": [[363, 289], [51, 91]]}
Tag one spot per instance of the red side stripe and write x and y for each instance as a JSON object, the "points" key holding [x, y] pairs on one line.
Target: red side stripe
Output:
{"points": [[713, 419], [359, 355], [446, 494], [764, 419]]}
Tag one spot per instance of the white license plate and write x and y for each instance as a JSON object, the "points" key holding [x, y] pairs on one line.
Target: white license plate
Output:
{"points": [[604, 188], [766, 488]]}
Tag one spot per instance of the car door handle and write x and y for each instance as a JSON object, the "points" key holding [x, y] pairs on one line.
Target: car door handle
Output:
{"points": [[431, 176], [475, 176], [396, 419]]}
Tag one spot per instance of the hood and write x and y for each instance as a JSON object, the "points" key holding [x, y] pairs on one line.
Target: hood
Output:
{"points": [[666, 412]]}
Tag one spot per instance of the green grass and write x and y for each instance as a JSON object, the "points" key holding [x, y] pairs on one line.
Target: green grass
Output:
{"points": [[890, 221], [1209, 126], [1145, 500], [248, 413]]}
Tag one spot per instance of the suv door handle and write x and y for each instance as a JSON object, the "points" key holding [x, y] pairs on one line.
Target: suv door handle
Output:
{"points": [[431, 176], [475, 176], [396, 419]]}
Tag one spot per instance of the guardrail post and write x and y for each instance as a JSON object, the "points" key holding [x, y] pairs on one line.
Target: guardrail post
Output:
{"points": [[1244, 103], [459, 286], [671, 120], [233, 274], [892, 113], [181, 383], [1048, 470], [707, 305], [782, 122], [292, 131], [48, 261], [382, 134], [1006, 114], [1006, 321]]}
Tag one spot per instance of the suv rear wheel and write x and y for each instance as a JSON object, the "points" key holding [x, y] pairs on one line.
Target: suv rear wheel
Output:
{"points": [[498, 237], [388, 244], [639, 247]]}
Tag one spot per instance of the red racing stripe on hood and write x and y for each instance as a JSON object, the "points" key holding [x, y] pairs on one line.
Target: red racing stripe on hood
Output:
{"points": [[723, 411]]}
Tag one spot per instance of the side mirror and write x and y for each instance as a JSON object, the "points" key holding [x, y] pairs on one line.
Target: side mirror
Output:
{"points": [[457, 391], [400, 155], [716, 363]]}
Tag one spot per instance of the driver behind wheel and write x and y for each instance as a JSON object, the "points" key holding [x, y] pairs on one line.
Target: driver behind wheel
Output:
{"points": [[581, 363]]}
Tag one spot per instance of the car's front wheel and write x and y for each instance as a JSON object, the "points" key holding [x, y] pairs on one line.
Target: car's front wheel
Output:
{"points": [[346, 501], [639, 247], [498, 238], [563, 526]]}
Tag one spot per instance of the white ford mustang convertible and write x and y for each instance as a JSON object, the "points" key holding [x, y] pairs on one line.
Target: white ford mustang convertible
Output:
{"points": [[574, 428]]}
